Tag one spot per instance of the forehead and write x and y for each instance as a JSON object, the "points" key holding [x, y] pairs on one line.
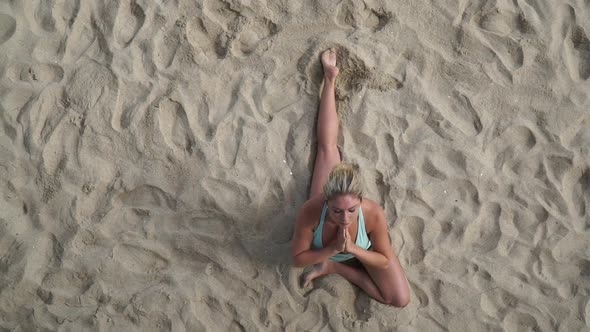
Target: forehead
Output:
{"points": [[344, 202]]}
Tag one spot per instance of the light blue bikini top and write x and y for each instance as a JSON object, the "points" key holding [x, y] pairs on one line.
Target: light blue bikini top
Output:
{"points": [[362, 239]]}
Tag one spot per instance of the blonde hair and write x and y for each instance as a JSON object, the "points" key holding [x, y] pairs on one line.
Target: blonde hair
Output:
{"points": [[344, 179]]}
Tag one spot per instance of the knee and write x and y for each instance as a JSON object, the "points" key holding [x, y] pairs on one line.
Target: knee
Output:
{"points": [[399, 301]]}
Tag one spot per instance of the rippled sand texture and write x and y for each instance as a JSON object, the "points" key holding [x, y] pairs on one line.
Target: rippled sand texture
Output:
{"points": [[154, 154]]}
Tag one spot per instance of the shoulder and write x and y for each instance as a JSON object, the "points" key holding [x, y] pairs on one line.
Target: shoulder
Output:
{"points": [[310, 212], [370, 207], [373, 213]]}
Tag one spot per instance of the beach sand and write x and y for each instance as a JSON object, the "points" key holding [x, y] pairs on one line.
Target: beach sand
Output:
{"points": [[154, 155]]}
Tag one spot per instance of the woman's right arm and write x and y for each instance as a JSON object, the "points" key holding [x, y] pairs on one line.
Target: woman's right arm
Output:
{"points": [[303, 254]]}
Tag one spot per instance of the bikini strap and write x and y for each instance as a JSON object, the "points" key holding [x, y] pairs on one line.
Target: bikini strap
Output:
{"points": [[317, 233], [323, 216]]}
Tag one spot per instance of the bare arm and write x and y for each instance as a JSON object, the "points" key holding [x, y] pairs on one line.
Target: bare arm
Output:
{"points": [[303, 254], [311, 256]]}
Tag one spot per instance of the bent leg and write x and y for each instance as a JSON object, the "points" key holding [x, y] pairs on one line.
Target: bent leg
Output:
{"points": [[392, 283], [327, 155], [388, 286], [357, 276]]}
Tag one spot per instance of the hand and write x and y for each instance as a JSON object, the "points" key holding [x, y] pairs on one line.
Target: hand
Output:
{"points": [[339, 243], [348, 243]]}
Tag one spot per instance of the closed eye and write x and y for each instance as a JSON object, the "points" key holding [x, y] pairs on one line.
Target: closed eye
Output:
{"points": [[351, 210]]}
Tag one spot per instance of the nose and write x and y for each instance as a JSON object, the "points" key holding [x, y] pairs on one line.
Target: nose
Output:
{"points": [[347, 216]]}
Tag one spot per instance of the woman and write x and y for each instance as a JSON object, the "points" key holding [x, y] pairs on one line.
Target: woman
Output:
{"points": [[337, 230]]}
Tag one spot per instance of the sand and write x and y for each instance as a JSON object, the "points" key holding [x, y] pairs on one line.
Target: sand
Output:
{"points": [[154, 155]]}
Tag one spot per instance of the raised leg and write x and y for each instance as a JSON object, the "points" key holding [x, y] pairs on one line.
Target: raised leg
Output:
{"points": [[327, 155]]}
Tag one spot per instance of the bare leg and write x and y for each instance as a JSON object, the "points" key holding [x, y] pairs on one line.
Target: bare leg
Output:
{"points": [[357, 276], [387, 286], [327, 155], [392, 283]]}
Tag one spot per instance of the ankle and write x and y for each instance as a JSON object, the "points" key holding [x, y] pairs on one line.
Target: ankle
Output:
{"points": [[330, 81], [329, 267]]}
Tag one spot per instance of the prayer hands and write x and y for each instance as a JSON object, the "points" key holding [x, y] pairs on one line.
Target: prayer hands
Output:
{"points": [[343, 242]]}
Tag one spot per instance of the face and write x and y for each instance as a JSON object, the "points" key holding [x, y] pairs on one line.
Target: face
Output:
{"points": [[344, 209]]}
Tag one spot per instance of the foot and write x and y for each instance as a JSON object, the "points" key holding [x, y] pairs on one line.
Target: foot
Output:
{"points": [[317, 271], [329, 64]]}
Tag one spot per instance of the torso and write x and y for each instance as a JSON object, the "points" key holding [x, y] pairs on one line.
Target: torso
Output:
{"points": [[308, 221], [329, 230]]}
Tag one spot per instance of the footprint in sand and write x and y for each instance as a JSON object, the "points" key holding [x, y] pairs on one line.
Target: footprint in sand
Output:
{"points": [[483, 234], [413, 202], [129, 20], [357, 14], [576, 137], [412, 229], [46, 255], [166, 44], [13, 252], [387, 155], [81, 36], [174, 126], [576, 188], [39, 15], [503, 22], [556, 167], [7, 27], [497, 302], [497, 30], [452, 105], [40, 72], [131, 98], [148, 197], [61, 285], [431, 170], [239, 29], [138, 259], [255, 35], [65, 13], [229, 135], [512, 145], [515, 320], [220, 19], [226, 194], [570, 40], [46, 114], [577, 52]]}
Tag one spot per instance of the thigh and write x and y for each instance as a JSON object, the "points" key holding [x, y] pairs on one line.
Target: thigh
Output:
{"points": [[392, 283], [326, 158]]}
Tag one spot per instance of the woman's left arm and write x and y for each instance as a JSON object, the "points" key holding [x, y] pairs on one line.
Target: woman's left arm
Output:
{"points": [[381, 252]]}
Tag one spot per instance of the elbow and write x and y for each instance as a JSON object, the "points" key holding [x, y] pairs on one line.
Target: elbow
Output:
{"points": [[297, 262]]}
